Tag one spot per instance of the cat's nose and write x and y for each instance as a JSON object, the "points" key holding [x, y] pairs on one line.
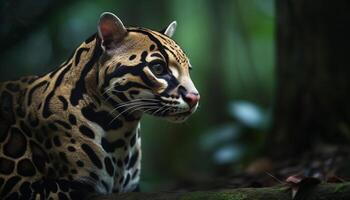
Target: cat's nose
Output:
{"points": [[192, 98]]}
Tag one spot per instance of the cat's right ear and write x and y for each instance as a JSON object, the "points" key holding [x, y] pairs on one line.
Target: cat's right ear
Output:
{"points": [[111, 30]]}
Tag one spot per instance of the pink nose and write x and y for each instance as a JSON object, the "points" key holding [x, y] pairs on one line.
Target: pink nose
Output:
{"points": [[192, 99]]}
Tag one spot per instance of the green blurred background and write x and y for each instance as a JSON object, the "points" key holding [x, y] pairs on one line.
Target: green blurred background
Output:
{"points": [[231, 47]]}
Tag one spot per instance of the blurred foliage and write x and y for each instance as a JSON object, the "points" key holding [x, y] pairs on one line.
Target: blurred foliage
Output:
{"points": [[231, 47]]}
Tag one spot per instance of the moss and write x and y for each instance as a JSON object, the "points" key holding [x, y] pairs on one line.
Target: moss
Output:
{"points": [[341, 186], [215, 196]]}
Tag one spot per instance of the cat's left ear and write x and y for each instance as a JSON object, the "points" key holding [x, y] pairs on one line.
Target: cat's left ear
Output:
{"points": [[170, 30]]}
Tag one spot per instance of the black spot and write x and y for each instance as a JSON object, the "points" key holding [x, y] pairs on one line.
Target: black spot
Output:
{"points": [[64, 102], [144, 54], [111, 146], [37, 186], [39, 136], [6, 105], [25, 168], [121, 180], [133, 140], [48, 143], [13, 196], [132, 57], [127, 134], [9, 184], [71, 149], [76, 194], [109, 166], [25, 190], [68, 134], [72, 119], [33, 121], [132, 93], [135, 173], [62, 196], [152, 47], [80, 163], [94, 176], [64, 124], [16, 144], [33, 89], [53, 127], [92, 155], [46, 110], [3, 131], [39, 156], [20, 112], [12, 87], [102, 118], [51, 172], [25, 129], [87, 131], [63, 185], [72, 141], [119, 163], [133, 159], [32, 79], [65, 169], [105, 185], [126, 160], [6, 166], [126, 180], [80, 88], [63, 157], [51, 186], [57, 141], [73, 171], [78, 54]]}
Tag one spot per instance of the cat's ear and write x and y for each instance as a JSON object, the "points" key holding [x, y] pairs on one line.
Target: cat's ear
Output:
{"points": [[170, 30], [111, 30]]}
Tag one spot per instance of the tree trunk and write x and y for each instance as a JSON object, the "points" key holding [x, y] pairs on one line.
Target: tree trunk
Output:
{"points": [[321, 192], [313, 92]]}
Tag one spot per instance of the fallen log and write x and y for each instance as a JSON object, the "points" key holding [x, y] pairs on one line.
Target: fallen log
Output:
{"points": [[326, 191]]}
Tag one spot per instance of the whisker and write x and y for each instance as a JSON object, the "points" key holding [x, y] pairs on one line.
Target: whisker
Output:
{"points": [[164, 111], [133, 100], [132, 104], [143, 107], [135, 106], [136, 101], [154, 113], [123, 112], [150, 109], [113, 89]]}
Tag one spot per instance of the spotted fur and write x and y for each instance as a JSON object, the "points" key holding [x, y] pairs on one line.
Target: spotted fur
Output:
{"points": [[76, 130]]}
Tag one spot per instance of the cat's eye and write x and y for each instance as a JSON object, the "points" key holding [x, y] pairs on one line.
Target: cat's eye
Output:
{"points": [[158, 69]]}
